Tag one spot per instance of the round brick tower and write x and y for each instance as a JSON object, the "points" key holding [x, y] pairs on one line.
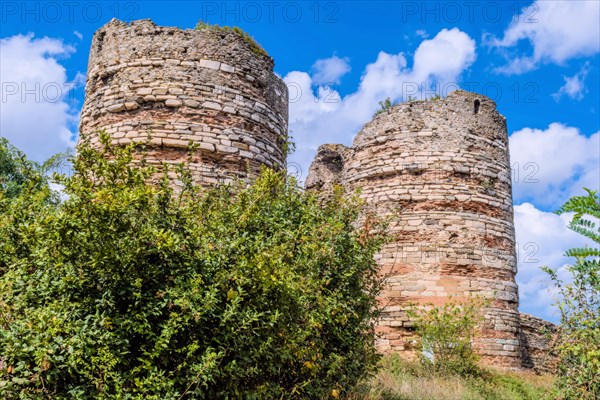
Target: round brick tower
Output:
{"points": [[440, 170], [167, 86]]}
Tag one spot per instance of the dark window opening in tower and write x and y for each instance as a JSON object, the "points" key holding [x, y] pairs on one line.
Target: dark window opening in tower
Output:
{"points": [[476, 105]]}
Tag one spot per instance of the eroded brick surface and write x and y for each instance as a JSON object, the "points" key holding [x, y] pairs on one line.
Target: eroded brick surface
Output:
{"points": [[537, 339], [170, 86], [440, 171]]}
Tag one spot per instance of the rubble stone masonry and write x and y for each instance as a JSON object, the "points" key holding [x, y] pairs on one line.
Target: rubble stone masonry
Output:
{"points": [[438, 170], [537, 340], [170, 86]]}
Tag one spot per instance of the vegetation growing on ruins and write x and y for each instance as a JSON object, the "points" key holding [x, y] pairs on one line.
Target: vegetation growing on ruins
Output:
{"points": [[136, 290], [254, 46], [446, 335], [387, 104], [447, 368], [133, 290], [579, 304], [384, 105]]}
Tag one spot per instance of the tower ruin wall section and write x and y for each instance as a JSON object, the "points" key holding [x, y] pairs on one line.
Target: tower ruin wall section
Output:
{"points": [[439, 171], [166, 87], [538, 342]]}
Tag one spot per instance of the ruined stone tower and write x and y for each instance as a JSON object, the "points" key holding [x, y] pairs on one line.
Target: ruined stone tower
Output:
{"points": [[439, 169], [213, 87]]}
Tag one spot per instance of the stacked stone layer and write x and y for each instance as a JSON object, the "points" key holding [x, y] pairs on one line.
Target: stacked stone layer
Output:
{"points": [[537, 341], [168, 87], [439, 171]]}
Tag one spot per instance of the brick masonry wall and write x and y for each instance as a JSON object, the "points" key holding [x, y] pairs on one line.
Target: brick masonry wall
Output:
{"points": [[170, 86], [537, 339], [439, 170]]}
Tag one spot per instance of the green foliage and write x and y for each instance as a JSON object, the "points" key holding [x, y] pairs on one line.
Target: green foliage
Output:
{"points": [[132, 290], [14, 169], [24, 196], [288, 146], [584, 207], [579, 304], [18, 174], [254, 46], [446, 333], [384, 105]]}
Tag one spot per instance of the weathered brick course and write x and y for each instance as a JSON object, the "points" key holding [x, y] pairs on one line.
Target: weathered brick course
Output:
{"points": [[440, 171], [175, 86]]}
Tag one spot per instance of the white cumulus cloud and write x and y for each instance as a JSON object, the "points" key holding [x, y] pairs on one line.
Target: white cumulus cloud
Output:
{"points": [[542, 238], [557, 31], [329, 70], [319, 114], [574, 86], [553, 164], [36, 113], [445, 56]]}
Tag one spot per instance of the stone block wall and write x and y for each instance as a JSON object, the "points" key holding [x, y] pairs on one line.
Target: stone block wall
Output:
{"points": [[439, 171], [537, 339], [170, 86]]}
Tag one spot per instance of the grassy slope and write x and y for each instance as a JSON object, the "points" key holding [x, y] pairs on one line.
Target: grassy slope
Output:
{"points": [[402, 380]]}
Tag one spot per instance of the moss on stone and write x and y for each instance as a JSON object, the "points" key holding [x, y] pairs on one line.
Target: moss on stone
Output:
{"points": [[254, 46]]}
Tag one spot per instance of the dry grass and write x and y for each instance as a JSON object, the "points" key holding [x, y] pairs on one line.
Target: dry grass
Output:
{"points": [[419, 387], [403, 380]]}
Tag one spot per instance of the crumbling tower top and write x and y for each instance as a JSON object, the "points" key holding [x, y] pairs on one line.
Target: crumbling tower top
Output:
{"points": [[212, 86], [439, 172]]}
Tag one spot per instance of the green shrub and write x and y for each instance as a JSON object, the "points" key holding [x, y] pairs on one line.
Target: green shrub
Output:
{"points": [[578, 344], [135, 291], [15, 169], [24, 195], [384, 105], [446, 334], [18, 174]]}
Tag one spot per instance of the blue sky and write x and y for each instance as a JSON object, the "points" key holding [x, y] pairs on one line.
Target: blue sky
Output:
{"points": [[540, 61]]}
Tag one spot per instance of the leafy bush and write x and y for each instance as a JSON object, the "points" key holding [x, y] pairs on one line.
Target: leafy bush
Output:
{"points": [[17, 173], [136, 291], [24, 194], [14, 169], [578, 343], [446, 333]]}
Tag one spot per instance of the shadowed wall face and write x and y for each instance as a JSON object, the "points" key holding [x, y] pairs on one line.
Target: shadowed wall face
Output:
{"points": [[170, 86], [440, 171], [537, 340]]}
